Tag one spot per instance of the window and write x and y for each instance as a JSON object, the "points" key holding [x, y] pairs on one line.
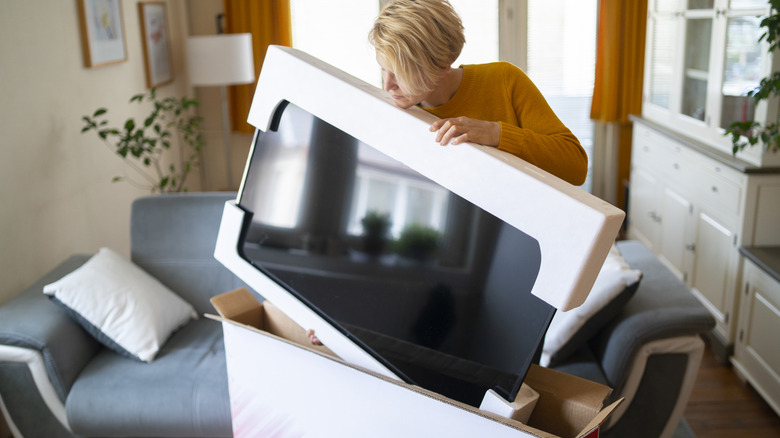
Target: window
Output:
{"points": [[562, 62], [337, 32], [559, 57]]}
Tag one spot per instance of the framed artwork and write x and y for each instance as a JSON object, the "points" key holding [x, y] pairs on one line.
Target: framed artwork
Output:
{"points": [[102, 32], [157, 51]]}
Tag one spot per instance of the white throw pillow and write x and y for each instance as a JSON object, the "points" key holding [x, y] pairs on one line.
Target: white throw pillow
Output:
{"points": [[121, 305], [563, 336]]}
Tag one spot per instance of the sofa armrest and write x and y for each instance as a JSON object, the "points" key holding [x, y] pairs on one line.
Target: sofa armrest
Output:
{"points": [[32, 321], [657, 389], [663, 307]]}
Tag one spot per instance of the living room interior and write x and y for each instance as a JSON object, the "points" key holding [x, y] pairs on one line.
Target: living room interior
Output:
{"points": [[67, 204]]}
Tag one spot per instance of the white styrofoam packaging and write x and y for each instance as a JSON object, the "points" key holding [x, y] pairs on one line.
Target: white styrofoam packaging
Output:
{"points": [[283, 386], [574, 229]]}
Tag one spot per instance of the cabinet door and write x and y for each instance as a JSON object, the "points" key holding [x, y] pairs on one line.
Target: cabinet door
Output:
{"points": [[675, 243], [755, 353], [742, 69], [662, 41], [644, 217], [713, 274], [696, 67]]}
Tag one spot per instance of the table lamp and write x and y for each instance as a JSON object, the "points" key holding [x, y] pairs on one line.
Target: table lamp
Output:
{"points": [[221, 60]]}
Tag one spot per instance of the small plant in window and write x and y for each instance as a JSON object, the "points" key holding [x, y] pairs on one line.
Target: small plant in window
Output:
{"points": [[376, 228], [749, 132], [142, 144], [418, 242]]}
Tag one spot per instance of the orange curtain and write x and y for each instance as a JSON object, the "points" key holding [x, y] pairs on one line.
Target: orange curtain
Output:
{"points": [[269, 23], [617, 92], [620, 53]]}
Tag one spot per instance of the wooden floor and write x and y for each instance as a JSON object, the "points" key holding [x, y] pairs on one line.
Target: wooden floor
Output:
{"points": [[722, 406], [4, 432]]}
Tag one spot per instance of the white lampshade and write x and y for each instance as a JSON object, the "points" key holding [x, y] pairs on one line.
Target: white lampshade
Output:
{"points": [[223, 59]]}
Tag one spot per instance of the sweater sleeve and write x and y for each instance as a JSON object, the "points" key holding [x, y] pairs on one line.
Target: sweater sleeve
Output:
{"points": [[541, 138]]}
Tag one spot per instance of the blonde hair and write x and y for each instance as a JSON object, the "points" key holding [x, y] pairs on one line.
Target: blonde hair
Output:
{"points": [[417, 40]]}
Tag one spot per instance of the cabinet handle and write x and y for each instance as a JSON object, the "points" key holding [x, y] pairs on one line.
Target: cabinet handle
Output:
{"points": [[691, 247]]}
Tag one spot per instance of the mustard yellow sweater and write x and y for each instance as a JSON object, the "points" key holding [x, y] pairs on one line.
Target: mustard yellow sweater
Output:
{"points": [[501, 92]]}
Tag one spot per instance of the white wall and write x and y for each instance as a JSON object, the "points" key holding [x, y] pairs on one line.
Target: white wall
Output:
{"points": [[56, 194]]}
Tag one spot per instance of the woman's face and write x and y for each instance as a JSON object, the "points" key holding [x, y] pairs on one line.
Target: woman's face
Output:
{"points": [[396, 89]]}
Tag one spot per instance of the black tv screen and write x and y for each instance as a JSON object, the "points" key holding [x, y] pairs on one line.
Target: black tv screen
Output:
{"points": [[431, 285]]}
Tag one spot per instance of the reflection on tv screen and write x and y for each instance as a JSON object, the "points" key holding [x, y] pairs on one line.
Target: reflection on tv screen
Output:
{"points": [[428, 283]]}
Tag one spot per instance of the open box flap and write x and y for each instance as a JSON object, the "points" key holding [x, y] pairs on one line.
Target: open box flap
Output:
{"points": [[599, 419], [575, 400]]}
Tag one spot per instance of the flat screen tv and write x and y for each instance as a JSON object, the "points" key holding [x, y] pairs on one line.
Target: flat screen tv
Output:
{"points": [[438, 266]]}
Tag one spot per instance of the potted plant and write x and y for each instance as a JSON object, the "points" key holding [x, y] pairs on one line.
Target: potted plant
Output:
{"points": [[748, 132], [418, 242], [376, 227], [142, 144]]}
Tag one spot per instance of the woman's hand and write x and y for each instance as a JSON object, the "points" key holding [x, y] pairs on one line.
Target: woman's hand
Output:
{"points": [[464, 129]]}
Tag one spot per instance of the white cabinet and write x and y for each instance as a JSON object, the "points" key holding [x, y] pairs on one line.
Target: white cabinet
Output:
{"points": [[688, 209], [756, 352], [690, 200], [701, 58], [694, 208]]}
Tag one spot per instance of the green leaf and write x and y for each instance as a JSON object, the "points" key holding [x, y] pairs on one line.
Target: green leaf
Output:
{"points": [[99, 112]]}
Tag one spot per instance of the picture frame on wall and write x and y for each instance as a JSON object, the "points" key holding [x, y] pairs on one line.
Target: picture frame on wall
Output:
{"points": [[157, 49], [102, 32]]}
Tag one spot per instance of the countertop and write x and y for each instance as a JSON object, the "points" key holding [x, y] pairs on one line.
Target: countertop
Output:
{"points": [[765, 257]]}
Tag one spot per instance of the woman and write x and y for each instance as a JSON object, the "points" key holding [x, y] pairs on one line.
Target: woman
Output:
{"points": [[494, 104]]}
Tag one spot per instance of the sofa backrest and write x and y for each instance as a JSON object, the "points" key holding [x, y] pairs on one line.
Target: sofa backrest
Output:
{"points": [[172, 237]]}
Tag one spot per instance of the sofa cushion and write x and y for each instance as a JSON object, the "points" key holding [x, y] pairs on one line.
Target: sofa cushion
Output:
{"points": [[125, 308], [569, 331], [184, 392]]}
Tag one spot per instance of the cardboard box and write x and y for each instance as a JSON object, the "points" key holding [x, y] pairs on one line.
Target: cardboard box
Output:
{"points": [[282, 385]]}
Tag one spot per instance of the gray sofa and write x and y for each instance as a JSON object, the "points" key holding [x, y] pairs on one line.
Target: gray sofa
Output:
{"points": [[56, 380]]}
